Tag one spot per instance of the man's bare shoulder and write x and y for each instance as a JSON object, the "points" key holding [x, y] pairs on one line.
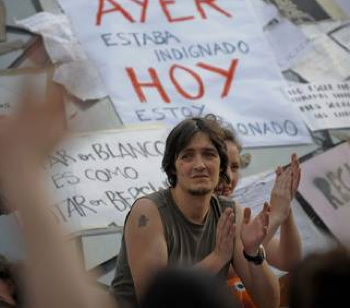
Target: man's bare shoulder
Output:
{"points": [[144, 205], [144, 214]]}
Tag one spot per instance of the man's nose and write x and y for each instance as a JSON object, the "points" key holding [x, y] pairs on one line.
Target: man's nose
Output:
{"points": [[199, 163]]}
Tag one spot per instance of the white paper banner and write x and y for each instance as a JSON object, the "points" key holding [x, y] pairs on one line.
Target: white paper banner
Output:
{"points": [[323, 106], [96, 177], [167, 60]]}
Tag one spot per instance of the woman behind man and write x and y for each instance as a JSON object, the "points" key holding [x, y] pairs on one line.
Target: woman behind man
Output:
{"points": [[283, 253]]}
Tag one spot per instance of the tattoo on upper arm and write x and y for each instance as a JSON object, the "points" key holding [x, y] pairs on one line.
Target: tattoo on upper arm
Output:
{"points": [[143, 220]]}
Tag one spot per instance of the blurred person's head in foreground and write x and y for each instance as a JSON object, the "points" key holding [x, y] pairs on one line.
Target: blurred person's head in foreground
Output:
{"points": [[187, 288], [321, 280], [10, 284]]}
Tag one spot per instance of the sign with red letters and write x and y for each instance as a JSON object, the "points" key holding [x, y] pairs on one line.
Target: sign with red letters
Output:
{"points": [[165, 60]]}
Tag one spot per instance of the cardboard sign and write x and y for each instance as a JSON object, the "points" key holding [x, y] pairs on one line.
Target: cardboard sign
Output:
{"points": [[325, 185]]}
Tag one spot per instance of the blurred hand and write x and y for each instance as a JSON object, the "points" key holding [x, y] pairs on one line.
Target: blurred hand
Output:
{"points": [[29, 136], [35, 129]]}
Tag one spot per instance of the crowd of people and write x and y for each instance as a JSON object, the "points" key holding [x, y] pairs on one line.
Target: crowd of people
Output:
{"points": [[181, 245]]}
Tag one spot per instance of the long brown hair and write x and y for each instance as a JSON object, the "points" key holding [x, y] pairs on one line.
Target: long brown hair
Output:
{"points": [[182, 134]]}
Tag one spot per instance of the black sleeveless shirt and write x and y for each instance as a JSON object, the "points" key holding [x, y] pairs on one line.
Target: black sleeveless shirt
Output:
{"points": [[187, 243]]}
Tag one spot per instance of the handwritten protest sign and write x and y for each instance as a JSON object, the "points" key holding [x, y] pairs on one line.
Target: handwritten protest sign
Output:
{"points": [[96, 177], [323, 106], [325, 185], [166, 60]]}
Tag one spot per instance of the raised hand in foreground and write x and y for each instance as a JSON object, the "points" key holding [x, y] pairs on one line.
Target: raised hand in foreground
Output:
{"points": [[54, 278]]}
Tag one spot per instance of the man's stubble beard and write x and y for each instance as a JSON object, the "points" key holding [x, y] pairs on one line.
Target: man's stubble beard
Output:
{"points": [[199, 191]]}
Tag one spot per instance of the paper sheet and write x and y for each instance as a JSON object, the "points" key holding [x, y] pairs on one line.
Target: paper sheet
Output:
{"points": [[64, 48], [287, 48], [266, 12], [71, 75], [254, 190], [325, 61], [314, 30], [341, 35], [322, 105]]}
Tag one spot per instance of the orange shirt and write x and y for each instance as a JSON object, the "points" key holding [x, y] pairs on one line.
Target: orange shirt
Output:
{"points": [[238, 290]]}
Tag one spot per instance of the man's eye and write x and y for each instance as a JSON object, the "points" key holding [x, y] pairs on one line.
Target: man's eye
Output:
{"points": [[210, 154], [186, 156]]}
